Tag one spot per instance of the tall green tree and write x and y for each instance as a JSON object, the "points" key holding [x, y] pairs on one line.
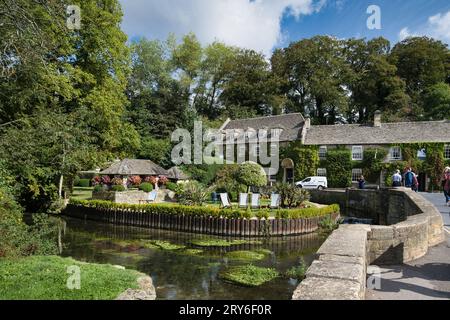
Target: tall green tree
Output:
{"points": [[422, 62], [314, 73], [436, 102], [374, 83], [250, 89]]}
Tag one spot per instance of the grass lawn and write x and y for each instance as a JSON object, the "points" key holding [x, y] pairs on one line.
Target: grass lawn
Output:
{"points": [[46, 277], [80, 193]]}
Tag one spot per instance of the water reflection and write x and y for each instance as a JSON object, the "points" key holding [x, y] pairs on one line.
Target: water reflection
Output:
{"points": [[178, 274]]}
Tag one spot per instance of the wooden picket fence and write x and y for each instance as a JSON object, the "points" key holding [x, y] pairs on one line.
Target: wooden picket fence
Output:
{"points": [[197, 224]]}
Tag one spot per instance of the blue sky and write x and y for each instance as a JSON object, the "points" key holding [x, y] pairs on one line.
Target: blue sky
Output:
{"points": [[347, 19], [267, 24]]}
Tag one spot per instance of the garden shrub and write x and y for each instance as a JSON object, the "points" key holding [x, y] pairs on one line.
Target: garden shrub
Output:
{"points": [[134, 181], [98, 188], [251, 175], [117, 188], [193, 194], [117, 182], [263, 214], [172, 186], [227, 181], [146, 187], [151, 179], [76, 181], [96, 180], [291, 196], [163, 180], [105, 180], [84, 183]]}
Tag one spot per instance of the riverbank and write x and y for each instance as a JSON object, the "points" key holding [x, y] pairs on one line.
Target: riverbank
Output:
{"points": [[49, 278]]}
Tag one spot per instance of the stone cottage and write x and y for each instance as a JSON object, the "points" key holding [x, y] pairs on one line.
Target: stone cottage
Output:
{"points": [[354, 137]]}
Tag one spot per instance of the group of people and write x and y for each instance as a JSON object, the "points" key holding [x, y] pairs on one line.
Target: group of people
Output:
{"points": [[410, 178], [445, 181]]}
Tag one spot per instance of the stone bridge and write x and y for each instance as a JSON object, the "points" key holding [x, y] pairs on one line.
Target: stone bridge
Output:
{"points": [[407, 226]]}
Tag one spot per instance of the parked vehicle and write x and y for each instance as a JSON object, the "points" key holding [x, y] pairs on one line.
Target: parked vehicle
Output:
{"points": [[313, 183]]}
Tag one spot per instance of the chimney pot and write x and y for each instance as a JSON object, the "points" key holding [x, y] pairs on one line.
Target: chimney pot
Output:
{"points": [[308, 123], [377, 119]]}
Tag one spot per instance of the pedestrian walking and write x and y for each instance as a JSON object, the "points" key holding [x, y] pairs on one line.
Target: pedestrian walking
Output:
{"points": [[397, 179], [409, 178], [415, 185], [362, 183], [446, 185]]}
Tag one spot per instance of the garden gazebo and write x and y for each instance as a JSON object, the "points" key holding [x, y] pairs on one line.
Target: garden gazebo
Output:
{"points": [[135, 167]]}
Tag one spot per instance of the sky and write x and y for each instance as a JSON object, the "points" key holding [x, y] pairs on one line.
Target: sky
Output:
{"points": [[264, 25]]}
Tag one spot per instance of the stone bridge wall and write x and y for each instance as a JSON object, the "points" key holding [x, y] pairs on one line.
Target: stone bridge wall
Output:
{"points": [[339, 273]]}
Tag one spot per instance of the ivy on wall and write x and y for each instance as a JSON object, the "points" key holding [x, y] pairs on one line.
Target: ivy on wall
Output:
{"points": [[306, 159], [372, 164], [339, 168], [339, 164]]}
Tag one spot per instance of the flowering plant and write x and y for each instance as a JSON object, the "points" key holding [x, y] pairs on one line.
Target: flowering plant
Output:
{"points": [[134, 181], [153, 180], [163, 180], [106, 180], [117, 182], [96, 181]]}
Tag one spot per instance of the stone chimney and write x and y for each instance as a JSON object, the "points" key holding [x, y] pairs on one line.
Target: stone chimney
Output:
{"points": [[377, 119], [307, 123]]}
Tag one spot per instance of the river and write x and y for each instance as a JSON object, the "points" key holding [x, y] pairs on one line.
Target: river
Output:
{"points": [[180, 276]]}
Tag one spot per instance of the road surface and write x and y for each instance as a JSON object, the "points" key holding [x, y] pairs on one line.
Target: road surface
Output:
{"points": [[427, 278]]}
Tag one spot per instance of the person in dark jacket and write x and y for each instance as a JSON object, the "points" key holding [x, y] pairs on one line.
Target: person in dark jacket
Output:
{"points": [[409, 178], [362, 183], [446, 185]]}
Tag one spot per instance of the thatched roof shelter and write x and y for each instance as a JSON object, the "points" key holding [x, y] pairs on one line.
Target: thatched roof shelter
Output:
{"points": [[176, 173], [134, 167]]}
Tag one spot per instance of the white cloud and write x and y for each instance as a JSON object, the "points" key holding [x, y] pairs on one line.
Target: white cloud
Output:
{"points": [[254, 24], [437, 26], [440, 26]]}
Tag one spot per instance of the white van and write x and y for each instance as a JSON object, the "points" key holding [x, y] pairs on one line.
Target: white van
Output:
{"points": [[313, 183]]}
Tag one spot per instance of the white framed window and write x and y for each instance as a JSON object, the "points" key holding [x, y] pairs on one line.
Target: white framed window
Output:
{"points": [[357, 153], [356, 174], [395, 153], [447, 151], [322, 172], [323, 150]]}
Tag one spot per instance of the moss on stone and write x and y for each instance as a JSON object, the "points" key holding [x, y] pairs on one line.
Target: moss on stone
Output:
{"points": [[192, 252], [248, 255], [249, 275], [162, 245]]}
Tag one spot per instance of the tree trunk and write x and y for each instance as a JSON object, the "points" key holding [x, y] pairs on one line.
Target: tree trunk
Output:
{"points": [[61, 180]]}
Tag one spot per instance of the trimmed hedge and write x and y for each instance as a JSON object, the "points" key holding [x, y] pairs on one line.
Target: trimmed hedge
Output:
{"points": [[146, 187], [208, 211], [118, 188], [84, 183]]}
